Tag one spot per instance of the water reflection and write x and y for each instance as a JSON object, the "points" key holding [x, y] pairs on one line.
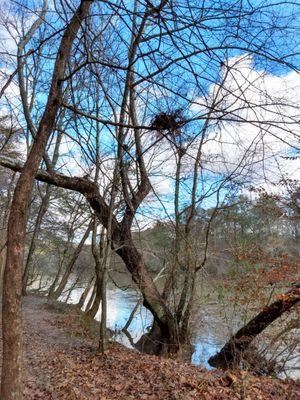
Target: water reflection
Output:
{"points": [[119, 307], [212, 325]]}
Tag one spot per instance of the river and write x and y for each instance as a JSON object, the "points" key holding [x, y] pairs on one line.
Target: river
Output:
{"points": [[209, 333]]}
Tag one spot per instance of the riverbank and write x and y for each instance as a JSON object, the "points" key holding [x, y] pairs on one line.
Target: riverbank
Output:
{"points": [[62, 362]]}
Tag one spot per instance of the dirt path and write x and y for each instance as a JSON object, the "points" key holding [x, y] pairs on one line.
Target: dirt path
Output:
{"points": [[60, 364], [38, 313]]}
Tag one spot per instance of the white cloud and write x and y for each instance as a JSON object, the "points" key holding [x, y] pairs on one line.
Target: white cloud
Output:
{"points": [[258, 128], [259, 123]]}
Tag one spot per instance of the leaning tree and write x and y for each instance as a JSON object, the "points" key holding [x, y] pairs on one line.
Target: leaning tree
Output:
{"points": [[132, 80]]}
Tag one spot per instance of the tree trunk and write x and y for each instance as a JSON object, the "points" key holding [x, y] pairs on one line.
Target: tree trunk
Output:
{"points": [[97, 251], [65, 255], [131, 316], [42, 210], [93, 309], [3, 237], [122, 243], [230, 355], [56, 279], [91, 299], [11, 382], [64, 280], [85, 293], [72, 287], [103, 320], [152, 298]]}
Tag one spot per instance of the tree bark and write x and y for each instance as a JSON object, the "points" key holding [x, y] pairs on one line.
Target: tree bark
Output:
{"points": [[62, 284], [91, 299], [42, 210], [85, 293], [94, 307], [121, 241], [229, 356], [38, 223], [65, 256], [152, 298], [11, 382], [131, 316], [97, 251], [3, 238]]}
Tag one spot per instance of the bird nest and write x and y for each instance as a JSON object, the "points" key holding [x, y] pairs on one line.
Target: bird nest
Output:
{"points": [[168, 123]]}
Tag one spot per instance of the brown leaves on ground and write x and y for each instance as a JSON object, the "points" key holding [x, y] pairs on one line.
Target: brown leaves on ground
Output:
{"points": [[61, 365]]}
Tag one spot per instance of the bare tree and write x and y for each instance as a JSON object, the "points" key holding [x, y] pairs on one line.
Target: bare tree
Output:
{"points": [[11, 384], [162, 80]]}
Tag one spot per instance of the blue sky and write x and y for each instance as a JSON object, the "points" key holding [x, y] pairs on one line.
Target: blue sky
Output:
{"points": [[268, 32]]}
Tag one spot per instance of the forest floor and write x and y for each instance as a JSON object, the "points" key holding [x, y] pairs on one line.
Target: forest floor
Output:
{"points": [[62, 362]]}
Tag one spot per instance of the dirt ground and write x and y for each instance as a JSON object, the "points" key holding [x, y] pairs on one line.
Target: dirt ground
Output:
{"points": [[62, 362]]}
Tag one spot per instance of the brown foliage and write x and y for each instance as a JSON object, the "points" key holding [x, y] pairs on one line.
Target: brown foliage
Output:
{"points": [[60, 365]]}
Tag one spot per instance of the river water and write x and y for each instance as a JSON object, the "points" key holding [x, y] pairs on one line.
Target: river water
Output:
{"points": [[210, 330], [213, 324]]}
